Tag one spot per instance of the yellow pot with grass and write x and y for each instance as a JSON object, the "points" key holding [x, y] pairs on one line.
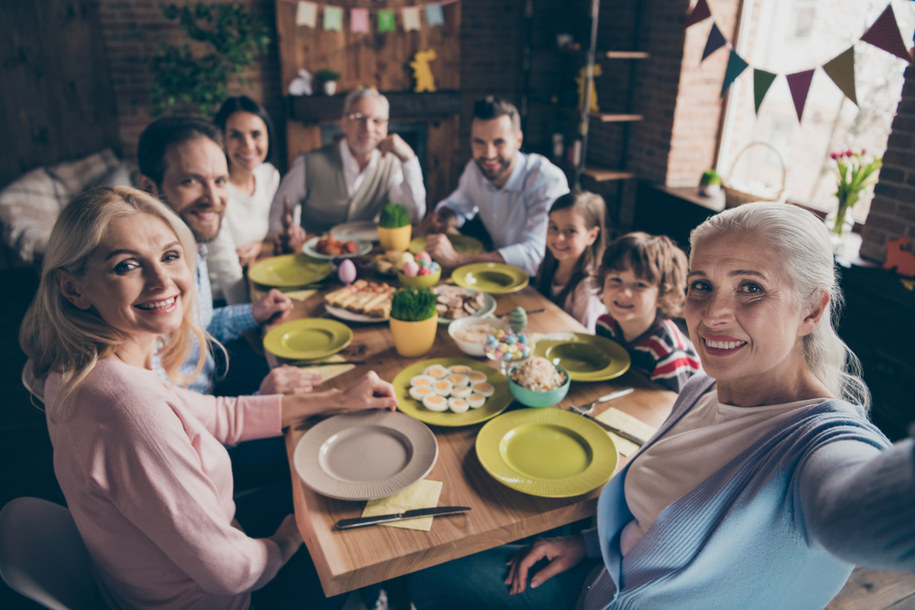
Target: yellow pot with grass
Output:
{"points": [[395, 239], [412, 339]]}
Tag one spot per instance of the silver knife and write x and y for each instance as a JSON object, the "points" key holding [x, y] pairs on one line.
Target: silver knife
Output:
{"points": [[438, 511]]}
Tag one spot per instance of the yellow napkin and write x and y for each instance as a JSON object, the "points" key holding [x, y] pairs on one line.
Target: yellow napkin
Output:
{"points": [[299, 295], [330, 370], [423, 494], [616, 418]]}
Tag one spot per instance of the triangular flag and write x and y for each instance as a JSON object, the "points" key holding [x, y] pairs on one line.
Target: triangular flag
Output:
{"points": [[434, 15], [762, 80], [410, 18], [333, 18], [841, 70], [884, 34], [306, 14], [799, 84], [699, 12], [359, 20], [385, 20], [736, 65], [715, 41]]}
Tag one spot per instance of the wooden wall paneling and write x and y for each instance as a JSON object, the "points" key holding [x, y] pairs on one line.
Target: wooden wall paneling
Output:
{"points": [[58, 102], [441, 177]]}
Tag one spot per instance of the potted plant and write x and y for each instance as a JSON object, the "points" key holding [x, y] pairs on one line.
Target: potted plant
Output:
{"points": [[328, 80], [394, 230], [709, 183], [414, 321]]}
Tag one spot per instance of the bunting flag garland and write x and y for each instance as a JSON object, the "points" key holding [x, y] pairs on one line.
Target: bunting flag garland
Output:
{"points": [[762, 80], [884, 34], [333, 18], [360, 18], [736, 65], [799, 84], [306, 14], [715, 41], [701, 12], [841, 69], [410, 19]]}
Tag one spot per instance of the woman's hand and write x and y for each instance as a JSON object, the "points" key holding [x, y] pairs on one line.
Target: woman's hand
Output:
{"points": [[368, 392], [562, 554], [287, 537], [288, 379]]}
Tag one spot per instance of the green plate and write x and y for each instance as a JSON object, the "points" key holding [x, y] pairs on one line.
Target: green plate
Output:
{"points": [[550, 453], [463, 244], [586, 357], [495, 404], [307, 339], [310, 248], [494, 278], [288, 271]]}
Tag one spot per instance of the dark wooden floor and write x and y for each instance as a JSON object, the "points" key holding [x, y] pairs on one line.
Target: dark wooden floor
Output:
{"points": [[25, 456]]}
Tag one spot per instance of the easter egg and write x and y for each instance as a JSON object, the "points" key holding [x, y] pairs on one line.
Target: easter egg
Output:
{"points": [[405, 258], [517, 319], [410, 268], [347, 272], [424, 271], [423, 257]]}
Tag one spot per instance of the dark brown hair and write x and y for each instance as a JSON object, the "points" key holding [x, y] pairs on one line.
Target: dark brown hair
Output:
{"points": [[653, 258], [591, 206]]}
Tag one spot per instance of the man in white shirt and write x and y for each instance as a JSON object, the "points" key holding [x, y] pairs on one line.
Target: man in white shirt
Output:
{"points": [[355, 178], [511, 191]]}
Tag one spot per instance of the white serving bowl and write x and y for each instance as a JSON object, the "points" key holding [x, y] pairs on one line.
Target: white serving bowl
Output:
{"points": [[462, 324]]}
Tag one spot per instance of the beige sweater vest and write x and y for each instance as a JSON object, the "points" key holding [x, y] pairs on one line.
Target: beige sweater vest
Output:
{"points": [[327, 203]]}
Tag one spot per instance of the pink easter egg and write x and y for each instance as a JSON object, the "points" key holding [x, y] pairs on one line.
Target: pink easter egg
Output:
{"points": [[410, 268], [423, 257], [425, 271], [347, 272]]}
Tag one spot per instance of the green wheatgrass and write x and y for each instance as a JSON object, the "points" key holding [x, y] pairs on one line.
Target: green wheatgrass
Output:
{"points": [[393, 216], [412, 304]]}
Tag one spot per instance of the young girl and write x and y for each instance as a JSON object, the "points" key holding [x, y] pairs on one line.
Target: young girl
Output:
{"points": [[575, 242], [643, 278]]}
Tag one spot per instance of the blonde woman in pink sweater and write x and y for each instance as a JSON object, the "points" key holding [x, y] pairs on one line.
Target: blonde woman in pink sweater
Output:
{"points": [[142, 462]]}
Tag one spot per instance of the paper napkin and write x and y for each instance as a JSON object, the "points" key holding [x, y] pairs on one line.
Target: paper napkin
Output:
{"points": [[616, 418], [299, 295], [423, 494]]}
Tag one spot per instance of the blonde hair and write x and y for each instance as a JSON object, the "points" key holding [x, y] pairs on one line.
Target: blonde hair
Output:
{"points": [[59, 337], [801, 242]]}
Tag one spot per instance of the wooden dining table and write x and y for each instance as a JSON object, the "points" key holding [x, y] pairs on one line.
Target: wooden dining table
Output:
{"points": [[349, 559]]}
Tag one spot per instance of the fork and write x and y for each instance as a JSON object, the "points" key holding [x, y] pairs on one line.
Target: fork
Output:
{"points": [[588, 408]]}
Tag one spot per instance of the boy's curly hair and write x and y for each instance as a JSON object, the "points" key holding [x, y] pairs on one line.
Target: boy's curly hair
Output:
{"points": [[654, 258]]}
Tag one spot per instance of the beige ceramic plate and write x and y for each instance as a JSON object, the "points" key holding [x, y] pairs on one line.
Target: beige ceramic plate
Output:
{"points": [[365, 455]]}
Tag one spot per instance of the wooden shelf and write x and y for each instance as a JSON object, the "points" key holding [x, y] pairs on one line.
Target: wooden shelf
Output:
{"points": [[624, 54], [600, 174]]}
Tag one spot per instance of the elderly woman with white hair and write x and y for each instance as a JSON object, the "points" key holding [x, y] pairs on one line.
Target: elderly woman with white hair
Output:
{"points": [[141, 461], [764, 486]]}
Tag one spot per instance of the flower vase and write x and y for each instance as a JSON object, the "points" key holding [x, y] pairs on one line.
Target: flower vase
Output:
{"points": [[840, 225]]}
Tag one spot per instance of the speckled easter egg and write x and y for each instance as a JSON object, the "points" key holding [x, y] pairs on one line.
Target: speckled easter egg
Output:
{"points": [[517, 319], [423, 257], [410, 268], [347, 272]]}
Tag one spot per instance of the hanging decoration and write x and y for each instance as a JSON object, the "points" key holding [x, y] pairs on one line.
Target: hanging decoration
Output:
{"points": [[422, 72], [359, 18], [883, 34]]}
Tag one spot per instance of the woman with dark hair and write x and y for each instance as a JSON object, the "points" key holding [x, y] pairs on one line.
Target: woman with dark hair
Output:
{"points": [[253, 181]]}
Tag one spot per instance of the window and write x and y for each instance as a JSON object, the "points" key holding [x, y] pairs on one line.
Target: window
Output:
{"points": [[786, 36]]}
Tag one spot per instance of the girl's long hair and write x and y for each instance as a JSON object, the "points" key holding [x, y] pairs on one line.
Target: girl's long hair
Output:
{"points": [[59, 337], [592, 208]]}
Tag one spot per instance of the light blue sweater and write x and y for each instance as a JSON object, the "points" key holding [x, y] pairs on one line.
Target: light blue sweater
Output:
{"points": [[746, 538]]}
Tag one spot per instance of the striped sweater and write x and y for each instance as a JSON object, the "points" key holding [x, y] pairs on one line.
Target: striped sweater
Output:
{"points": [[662, 351]]}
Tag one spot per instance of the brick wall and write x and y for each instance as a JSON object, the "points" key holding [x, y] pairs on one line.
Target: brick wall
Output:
{"points": [[132, 31], [892, 212]]}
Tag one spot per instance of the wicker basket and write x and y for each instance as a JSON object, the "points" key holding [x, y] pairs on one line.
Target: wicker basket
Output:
{"points": [[734, 197]]}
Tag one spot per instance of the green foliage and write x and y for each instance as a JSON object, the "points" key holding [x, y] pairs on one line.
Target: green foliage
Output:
{"points": [[199, 79], [327, 75], [411, 304], [393, 216], [709, 177]]}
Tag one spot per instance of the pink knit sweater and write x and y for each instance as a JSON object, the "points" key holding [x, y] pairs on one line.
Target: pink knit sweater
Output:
{"points": [[149, 483]]}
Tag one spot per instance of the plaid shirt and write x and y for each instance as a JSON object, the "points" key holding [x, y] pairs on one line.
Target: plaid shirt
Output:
{"points": [[223, 323]]}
